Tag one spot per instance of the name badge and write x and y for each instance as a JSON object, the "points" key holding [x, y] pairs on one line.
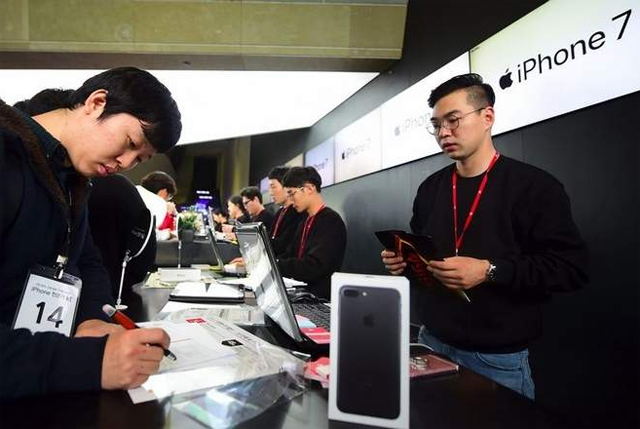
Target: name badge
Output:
{"points": [[48, 304]]}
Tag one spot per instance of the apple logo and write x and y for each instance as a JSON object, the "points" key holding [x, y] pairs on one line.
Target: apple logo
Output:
{"points": [[505, 81], [397, 131], [368, 320]]}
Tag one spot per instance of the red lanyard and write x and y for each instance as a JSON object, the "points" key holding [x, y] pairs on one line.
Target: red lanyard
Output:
{"points": [[308, 223], [280, 217], [474, 205]]}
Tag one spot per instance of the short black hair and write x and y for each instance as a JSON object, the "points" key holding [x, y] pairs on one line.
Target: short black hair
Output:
{"points": [[220, 212], [300, 176], [138, 93], [48, 100], [251, 192], [157, 181], [236, 200], [278, 173], [22, 105], [479, 94]]}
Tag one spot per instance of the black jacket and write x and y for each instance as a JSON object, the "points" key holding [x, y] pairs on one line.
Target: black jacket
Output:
{"points": [[523, 224], [35, 210], [286, 229], [322, 255], [114, 207]]}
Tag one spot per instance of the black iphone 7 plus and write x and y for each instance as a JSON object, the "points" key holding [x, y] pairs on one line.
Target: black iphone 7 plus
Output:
{"points": [[369, 352]]}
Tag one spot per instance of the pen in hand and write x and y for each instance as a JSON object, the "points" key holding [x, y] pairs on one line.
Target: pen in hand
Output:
{"points": [[123, 320]]}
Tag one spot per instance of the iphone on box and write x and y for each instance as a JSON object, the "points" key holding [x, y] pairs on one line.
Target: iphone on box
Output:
{"points": [[369, 381]]}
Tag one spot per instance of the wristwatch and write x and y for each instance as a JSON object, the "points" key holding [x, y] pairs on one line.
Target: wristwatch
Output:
{"points": [[492, 272]]}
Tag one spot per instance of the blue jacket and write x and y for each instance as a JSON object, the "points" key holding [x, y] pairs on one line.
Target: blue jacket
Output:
{"points": [[34, 224]]}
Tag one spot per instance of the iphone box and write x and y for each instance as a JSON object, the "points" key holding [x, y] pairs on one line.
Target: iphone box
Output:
{"points": [[369, 370]]}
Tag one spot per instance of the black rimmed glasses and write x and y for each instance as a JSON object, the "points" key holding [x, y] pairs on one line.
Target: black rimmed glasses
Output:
{"points": [[450, 122]]}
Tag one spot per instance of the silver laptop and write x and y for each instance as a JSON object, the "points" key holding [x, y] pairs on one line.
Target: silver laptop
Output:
{"points": [[269, 287]]}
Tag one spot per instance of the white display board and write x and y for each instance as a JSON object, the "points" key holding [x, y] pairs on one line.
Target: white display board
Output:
{"points": [[296, 161], [405, 117], [357, 148], [264, 190], [321, 158], [563, 56]]}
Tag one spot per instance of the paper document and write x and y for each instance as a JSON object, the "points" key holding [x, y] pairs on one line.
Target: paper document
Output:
{"points": [[253, 358], [207, 291], [191, 344], [239, 314], [292, 282]]}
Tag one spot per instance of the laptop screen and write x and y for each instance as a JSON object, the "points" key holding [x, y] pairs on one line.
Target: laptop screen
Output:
{"points": [[265, 277]]}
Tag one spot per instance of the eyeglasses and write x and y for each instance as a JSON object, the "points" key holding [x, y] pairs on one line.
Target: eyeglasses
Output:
{"points": [[290, 194], [245, 202], [451, 123]]}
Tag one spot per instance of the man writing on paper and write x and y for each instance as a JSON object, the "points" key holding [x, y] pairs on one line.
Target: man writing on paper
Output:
{"points": [[507, 234], [115, 120]]}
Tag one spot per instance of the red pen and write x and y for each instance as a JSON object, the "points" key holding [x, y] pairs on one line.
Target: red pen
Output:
{"points": [[123, 320]]}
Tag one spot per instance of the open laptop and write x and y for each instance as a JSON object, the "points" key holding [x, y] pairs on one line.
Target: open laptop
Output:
{"points": [[224, 269], [297, 320]]}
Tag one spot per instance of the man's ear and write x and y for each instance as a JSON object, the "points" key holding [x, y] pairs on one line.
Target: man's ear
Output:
{"points": [[95, 103], [489, 116]]}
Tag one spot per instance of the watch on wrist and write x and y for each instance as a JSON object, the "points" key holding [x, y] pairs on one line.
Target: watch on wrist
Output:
{"points": [[492, 272]]}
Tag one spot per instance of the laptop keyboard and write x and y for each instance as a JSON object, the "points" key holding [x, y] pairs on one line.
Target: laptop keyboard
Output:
{"points": [[319, 314]]}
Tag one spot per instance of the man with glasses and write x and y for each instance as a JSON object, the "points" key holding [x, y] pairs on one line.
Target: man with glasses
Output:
{"points": [[507, 236], [252, 201], [317, 249]]}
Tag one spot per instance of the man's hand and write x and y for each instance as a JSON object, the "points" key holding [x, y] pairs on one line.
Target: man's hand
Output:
{"points": [[393, 263], [171, 208], [460, 272], [131, 356], [226, 228], [96, 328], [237, 261]]}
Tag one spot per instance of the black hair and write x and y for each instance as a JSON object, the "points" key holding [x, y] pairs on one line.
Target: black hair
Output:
{"points": [[48, 100], [157, 181], [278, 173], [300, 176], [251, 192], [236, 200], [22, 105], [138, 93], [479, 94], [220, 212]]}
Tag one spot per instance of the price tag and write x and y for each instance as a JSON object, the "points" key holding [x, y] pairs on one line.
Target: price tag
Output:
{"points": [[48, 304]]}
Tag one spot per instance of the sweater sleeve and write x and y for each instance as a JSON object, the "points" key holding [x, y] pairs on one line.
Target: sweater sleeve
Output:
{"points": [[48, 362], [554, 256], [323, 255]]}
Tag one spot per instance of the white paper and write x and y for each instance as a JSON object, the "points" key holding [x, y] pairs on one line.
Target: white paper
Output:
{"points": [[191, 345], [253, 358], [239, 314]]}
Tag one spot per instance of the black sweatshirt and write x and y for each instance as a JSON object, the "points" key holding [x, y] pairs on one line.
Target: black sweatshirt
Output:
{"points": [[523, 225], [286, 232], [322, 256], [265, 217]]}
